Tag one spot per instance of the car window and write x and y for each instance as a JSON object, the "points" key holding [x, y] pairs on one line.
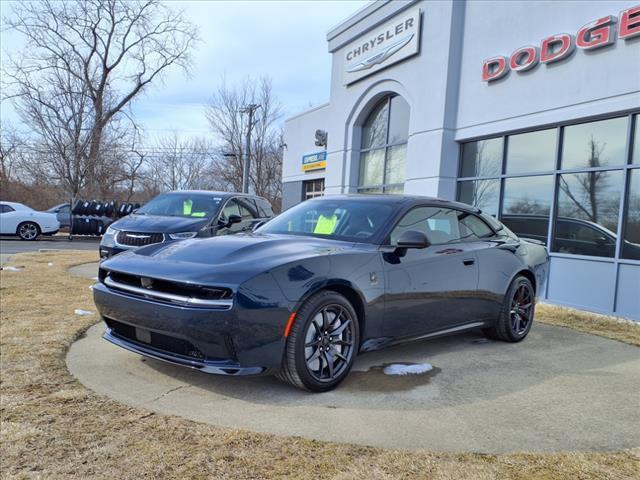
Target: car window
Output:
{"points": [[264, 208], [231, 208], [6, 208], [180, 204], [248, 209], [440, 225], [475, 226], [64, 209]]}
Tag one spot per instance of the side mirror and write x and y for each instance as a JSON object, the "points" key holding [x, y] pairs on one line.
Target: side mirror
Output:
{"points": [[233, 219], [411, 239]]}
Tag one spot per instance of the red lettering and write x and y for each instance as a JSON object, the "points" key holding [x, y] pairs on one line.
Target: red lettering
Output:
{"points": [[630, 23], [524, 58], [494, 68], [556, 47], [596, 34]]}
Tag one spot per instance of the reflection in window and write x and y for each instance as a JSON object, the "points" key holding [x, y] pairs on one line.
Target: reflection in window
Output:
{"points": [[587, 219], [532, 152], [484, 194], [631, 245], [527, 205], [482, 158], [384, 147], [594, 144]]}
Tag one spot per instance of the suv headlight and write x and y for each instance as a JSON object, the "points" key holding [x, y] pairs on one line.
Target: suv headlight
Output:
{"points": [[182, 235], [111, 231]]}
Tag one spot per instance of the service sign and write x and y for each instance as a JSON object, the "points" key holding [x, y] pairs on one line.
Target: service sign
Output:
{"points": [[314, 161], [394, 41]]}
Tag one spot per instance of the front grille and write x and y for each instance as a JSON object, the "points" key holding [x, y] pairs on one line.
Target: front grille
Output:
{"points": [[138, 239], [158, 341], [172, 288]]}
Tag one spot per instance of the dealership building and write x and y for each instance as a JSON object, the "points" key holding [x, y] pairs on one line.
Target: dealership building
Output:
{"points": [[528, 110]]}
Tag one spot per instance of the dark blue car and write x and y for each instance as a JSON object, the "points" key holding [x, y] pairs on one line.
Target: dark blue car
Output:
{"points": [[185, 214], [326, 280]]}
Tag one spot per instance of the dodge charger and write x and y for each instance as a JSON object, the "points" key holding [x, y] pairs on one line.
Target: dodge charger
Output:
{"points": [[329, 279]]}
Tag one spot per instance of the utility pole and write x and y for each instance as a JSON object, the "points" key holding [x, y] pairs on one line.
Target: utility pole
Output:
{"points": [[250, 109]]}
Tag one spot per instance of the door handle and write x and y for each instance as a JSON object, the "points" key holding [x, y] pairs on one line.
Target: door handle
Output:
{"points": [[468, 261]]}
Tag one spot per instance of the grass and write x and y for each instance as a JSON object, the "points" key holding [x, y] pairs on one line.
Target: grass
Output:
{"points": [[53, 427]]}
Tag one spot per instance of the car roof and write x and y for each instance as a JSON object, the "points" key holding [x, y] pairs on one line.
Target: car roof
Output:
{"points": [[210, 192], [394, 199], [15, 205]]}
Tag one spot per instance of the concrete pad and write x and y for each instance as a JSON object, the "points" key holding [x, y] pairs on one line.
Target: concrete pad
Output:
{"points": [[558, 390], [87, 270]]}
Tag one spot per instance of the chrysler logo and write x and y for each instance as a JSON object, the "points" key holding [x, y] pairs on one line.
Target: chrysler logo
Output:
{"points": [[380, 56]]}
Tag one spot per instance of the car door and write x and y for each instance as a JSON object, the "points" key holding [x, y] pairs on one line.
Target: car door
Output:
{"points": [[8, 219], [434, 288], [62, 214]]}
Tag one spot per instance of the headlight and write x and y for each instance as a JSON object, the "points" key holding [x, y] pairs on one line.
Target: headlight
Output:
{"points": [[182, 235], [111, 231]]}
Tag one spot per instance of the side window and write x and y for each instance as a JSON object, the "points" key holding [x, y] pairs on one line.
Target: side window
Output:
{"points": [[5, 208], [64, 209], [231, 208], [440, 225], [248, 209], [472, 226], [264, 208]]}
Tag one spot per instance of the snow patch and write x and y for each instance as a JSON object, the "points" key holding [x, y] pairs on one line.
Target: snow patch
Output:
{"points": [[79, 311], [12, 269], [402, 369]]}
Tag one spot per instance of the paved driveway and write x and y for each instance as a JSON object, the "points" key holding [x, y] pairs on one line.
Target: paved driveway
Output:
{"points": [[557, 390]]}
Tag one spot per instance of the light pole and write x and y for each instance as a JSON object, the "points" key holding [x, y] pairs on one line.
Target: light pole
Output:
{"points": [[250, 109]]}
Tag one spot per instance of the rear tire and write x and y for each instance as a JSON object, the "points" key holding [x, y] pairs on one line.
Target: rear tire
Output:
{"points": [[322, 343], [28, 231], [516, 314]]}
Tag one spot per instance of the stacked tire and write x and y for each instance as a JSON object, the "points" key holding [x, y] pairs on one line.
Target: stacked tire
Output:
{"points": [[91, 217], [88, 226]]}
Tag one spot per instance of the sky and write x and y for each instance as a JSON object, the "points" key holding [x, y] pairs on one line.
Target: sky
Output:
{"points": [[283, 39]]}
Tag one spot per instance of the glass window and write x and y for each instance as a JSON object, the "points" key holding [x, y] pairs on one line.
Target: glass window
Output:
{"points": [[532, 152], [484, 194], [472, 226], [374, 131], [180, 204], [631, 245], [482, 158], [248, 208], [264, 207], [527, 205], [231, 208], [398, 120], [384, 144], [440, 225], [313, 188], [636, 142], [594, 144], [587, 219]]}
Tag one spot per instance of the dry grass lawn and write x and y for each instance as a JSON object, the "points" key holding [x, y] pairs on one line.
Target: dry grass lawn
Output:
{"points": [[53, 427]]}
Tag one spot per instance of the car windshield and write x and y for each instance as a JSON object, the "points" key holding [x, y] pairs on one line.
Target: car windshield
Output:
{"points": [[182, 205], [340, 219]]}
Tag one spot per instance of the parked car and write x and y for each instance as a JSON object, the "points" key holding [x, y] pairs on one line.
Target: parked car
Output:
{"points": [[185, 214], [572, 235], [326, 280], [25, 222]]}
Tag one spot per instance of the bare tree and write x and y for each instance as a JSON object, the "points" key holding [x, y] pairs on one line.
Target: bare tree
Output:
{"points": [[83, 64], [11, 147], [229, 126]]}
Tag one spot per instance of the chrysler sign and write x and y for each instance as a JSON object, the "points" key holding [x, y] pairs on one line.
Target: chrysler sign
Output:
{"points": [[394, 41], [597, 34]]}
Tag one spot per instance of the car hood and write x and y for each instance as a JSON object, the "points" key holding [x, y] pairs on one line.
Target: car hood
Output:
{"points": [[226, 260], [159, 224]]}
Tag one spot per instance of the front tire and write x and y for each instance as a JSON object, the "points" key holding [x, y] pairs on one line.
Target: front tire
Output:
{"points": [[322, 343], [28, 231], [516, 315]]}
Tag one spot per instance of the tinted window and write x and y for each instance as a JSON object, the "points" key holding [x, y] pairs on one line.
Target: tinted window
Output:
{"points": [[398, 121], [532, 152], [527, 204], [594, 144], [372, 167], [631, 245], [6, 209], [593, 198], [482, 158], [248, 209], [231, 208], [484, 194], [475, 226], [338, 219], [636, 142], [441, 225], [264, 207], [374, 131]]}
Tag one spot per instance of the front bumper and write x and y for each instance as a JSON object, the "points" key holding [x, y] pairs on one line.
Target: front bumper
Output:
{"points": [[206, 366]]}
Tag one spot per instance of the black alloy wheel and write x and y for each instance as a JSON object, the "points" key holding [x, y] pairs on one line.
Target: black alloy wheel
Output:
{"points": [[322, 343], [516, 315]]}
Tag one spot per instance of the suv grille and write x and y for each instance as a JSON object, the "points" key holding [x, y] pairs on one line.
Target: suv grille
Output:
{"points": [[138, 239]]}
